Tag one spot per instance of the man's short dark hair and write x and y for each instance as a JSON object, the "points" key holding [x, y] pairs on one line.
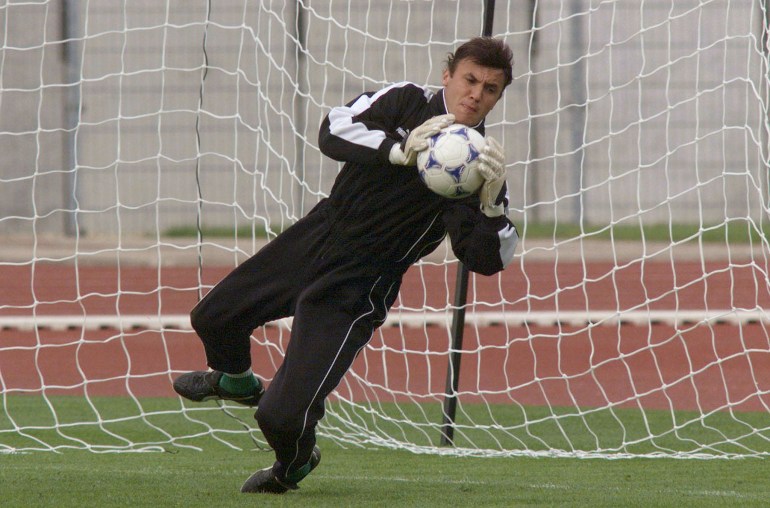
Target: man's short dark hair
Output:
{"points": [[487, 52]]}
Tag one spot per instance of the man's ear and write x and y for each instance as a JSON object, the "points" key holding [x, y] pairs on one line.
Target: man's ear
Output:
{"points": [[445, 77]]}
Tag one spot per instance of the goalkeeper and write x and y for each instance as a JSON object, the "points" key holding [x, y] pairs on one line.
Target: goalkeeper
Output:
{"points": [[338, 270]]}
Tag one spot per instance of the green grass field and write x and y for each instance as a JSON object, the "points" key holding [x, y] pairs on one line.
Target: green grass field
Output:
{"points": [[349, 476]]}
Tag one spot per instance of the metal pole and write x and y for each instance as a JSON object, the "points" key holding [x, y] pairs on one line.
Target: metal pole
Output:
{"points": [[458, 315], [578, 93], [532, 97], [300, 106], [453, 368], [72, 60], [765, 41]]}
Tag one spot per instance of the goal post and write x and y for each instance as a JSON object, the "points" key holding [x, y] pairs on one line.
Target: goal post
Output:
{"points": [[147, 148], [449, 411]]}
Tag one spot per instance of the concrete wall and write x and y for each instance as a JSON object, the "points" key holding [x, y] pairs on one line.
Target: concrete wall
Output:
{"points": [[629, 112]]}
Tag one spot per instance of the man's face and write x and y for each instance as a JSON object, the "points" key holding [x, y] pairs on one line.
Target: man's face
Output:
{"points": [[472, 91]]}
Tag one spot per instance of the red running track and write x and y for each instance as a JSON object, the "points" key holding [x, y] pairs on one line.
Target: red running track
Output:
{"points": [[694, 366]]}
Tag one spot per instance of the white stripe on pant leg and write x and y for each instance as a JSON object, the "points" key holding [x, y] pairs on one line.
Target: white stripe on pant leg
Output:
{"points": [[339, 351]]}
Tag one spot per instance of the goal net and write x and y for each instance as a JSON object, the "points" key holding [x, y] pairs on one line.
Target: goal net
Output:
{"points": [[147, 148]]}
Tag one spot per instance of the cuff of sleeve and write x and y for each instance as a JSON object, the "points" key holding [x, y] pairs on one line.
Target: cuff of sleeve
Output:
{"points": [[383, 152], [493, 211], [495, 223]]}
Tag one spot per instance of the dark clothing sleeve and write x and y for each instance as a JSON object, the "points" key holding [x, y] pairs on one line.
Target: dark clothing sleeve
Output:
{"points": [[484, 244], [364, 130]]}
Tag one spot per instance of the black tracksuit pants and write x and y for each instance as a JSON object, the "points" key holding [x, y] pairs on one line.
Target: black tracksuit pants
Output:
{"points": [[337, 302]]}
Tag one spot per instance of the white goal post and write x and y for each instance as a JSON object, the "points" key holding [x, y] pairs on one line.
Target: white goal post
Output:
{"points": [[148, 147]]}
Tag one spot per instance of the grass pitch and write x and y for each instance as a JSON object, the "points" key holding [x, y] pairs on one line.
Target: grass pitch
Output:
{"points": [[355, 477], [349, 476]]}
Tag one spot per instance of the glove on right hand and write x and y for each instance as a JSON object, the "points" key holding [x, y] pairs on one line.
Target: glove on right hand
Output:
{"points": [[417, 141]]}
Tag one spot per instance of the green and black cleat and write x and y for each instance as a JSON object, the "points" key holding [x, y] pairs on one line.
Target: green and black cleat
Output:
{"points": [[265, 481], [200, 386]]}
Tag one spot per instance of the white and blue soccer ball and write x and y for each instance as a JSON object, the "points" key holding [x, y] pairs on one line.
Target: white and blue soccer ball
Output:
{"points": [[449, 165]]}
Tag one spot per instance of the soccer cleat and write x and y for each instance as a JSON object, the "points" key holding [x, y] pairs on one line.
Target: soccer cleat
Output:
{"points": [[265, 481], [200, 386]]}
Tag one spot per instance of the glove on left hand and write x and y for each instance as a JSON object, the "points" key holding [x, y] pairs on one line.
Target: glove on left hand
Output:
{"points": [[492, 167]]}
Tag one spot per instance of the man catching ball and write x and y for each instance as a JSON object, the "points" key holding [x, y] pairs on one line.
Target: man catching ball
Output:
{"points": [[338, 270]]}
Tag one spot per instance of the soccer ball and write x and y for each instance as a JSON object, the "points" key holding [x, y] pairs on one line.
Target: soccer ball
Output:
{"points": [[449, 165]]}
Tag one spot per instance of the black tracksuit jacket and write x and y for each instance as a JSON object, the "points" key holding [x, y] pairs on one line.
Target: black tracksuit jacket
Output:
{"points": [[384, 211]]}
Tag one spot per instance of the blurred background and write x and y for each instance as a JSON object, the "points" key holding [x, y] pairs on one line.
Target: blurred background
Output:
{"points": [[139, 118]]}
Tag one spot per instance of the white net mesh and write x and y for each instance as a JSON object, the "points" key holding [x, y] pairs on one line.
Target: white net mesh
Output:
{"points": [[149, 147]]}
